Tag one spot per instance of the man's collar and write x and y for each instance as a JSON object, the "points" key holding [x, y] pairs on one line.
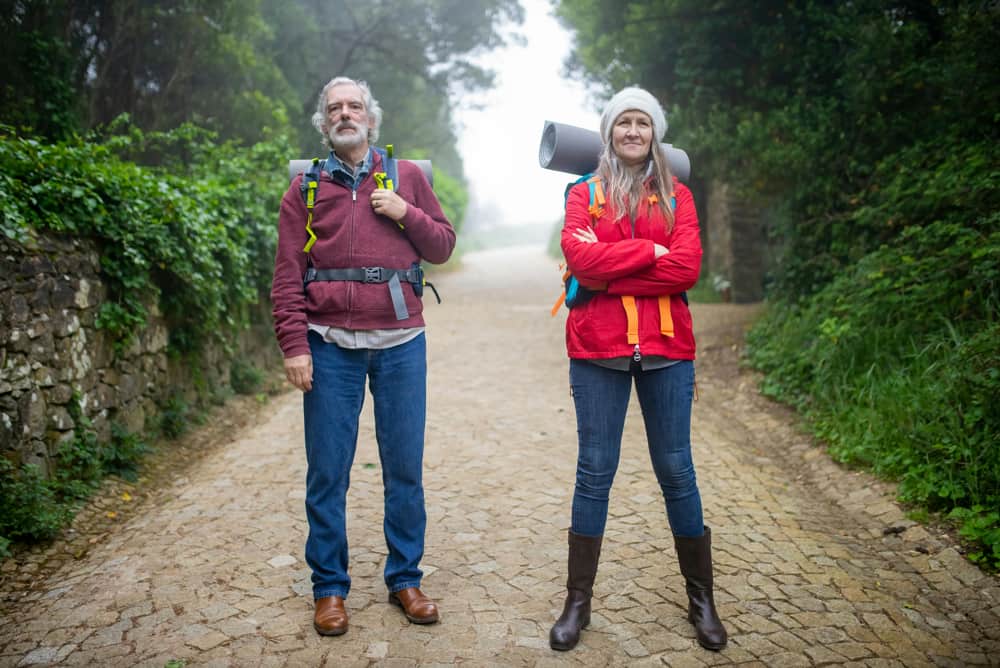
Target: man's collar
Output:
{"points": [[362, 167]]}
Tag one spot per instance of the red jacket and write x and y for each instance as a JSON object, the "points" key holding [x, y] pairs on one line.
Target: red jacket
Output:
{"points": [[598, 329], [349, 235]]}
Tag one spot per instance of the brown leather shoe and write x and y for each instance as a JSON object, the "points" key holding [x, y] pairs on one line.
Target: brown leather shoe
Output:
{"points": [[330, 618], [418, 608]]}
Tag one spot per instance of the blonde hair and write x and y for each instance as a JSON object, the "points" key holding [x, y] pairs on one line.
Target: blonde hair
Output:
{"points": [[622, 184]]}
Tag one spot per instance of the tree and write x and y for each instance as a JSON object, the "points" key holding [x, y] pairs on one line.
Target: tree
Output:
{"points": [[799, 103], [39, 74], [246, 69], [412, 53]]}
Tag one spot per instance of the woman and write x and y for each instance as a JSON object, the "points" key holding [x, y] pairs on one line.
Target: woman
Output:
{"points": [[631, 236]]}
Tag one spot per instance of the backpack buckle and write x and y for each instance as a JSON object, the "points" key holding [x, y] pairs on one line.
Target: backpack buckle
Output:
{"points": [[373, 275]]}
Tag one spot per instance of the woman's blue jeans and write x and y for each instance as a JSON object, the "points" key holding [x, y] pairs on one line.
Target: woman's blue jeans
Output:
{"points": [[601, 396], [397, 378]]}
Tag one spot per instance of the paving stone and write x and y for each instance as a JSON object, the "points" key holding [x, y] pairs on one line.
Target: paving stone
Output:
{"points": [[211, 569], [851, 650], [39, 656], [682, 660], [788, 660]]}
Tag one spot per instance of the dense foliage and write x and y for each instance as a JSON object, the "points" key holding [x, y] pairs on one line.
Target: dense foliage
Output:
{"points": [[805, 105], [868, 131], [243, 68], [414, 54], [195, 238]]}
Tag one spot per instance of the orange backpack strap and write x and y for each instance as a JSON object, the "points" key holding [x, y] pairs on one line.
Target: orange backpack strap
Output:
{"points": [[596, 207], [559, 302], [632, 314], [562, 297], [666, 319]]}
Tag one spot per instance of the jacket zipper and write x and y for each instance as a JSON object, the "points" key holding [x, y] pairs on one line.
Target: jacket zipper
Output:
{"points": [[636, 353], [350, 248]]}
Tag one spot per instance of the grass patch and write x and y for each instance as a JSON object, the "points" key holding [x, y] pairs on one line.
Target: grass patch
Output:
{"points": [[895, 367]]}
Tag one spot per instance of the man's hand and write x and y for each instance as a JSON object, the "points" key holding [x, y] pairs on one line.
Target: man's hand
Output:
{"points": [[299, 371], [387, 203]]}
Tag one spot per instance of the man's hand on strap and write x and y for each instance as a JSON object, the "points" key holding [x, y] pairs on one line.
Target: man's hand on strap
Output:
{"points": [[387, 203]]}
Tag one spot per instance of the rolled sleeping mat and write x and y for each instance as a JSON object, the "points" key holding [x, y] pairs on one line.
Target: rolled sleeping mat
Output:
{"points": [[296, 167], [567, 148]]}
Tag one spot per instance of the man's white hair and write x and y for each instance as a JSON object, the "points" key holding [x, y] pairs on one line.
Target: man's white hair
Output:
{"points": [[372, 108]]}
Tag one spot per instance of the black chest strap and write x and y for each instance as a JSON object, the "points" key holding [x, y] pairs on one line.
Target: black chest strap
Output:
{"points": [[394, 277]]}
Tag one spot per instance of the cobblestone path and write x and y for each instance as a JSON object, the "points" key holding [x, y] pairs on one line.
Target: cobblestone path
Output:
{"points": [[815, 565]]}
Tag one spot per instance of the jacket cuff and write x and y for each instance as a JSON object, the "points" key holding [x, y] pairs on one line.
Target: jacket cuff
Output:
{"points": [[298, 347]]}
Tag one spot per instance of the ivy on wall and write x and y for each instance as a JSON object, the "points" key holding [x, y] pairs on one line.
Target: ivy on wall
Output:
{"points": [[195, 232], [183, 224]]}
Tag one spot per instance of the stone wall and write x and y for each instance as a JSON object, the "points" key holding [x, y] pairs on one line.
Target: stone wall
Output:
{"points": [[52, 354], [737, 249]]}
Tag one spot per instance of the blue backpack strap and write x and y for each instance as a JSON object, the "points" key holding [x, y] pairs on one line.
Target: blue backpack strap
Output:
{"points": [[390, 167], [582, 179], [311, 175]]}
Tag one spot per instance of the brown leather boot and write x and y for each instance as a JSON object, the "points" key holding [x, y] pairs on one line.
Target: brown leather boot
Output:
{"points": [[584, 553], [695, 558], [330, 618], [417, 607]]}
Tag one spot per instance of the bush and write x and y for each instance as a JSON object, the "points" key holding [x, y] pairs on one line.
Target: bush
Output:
{"points": [[33, 508], [196, 232], [895, 365], [78, 469], [122, 455], [244, 377], [29, 510], [173, 418]]}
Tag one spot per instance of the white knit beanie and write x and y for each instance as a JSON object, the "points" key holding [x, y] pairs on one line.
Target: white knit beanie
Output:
{"points": [[633, 97]]}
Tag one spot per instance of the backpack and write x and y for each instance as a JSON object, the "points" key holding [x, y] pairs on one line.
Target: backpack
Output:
{"points": [[389, 179], [573, 293]]}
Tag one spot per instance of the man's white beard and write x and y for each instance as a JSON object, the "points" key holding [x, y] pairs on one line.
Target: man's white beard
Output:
{"points": [[339, 141]]}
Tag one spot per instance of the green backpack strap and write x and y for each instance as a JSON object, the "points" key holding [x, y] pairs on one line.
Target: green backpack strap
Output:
{"points": [[389, 178], [308, 188]]}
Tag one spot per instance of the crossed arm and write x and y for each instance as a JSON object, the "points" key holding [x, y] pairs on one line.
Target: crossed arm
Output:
{"points": [[633, 266]]}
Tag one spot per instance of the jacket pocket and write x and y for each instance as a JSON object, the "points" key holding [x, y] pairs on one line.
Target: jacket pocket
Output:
{"points": [[328, 297]]}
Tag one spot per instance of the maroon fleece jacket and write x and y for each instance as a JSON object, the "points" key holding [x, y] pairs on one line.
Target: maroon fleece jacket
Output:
{"points": [[350, 234]]}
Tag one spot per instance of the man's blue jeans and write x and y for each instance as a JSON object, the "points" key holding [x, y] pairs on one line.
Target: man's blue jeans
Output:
{"points": [[398, 381], [601, 397]]}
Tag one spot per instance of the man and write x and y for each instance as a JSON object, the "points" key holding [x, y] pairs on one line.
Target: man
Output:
{"points": [[358, 317]]}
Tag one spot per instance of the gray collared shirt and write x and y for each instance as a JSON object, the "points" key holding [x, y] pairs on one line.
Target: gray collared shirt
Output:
{"points": [[346, 174]]}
